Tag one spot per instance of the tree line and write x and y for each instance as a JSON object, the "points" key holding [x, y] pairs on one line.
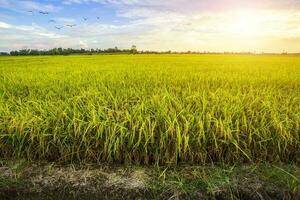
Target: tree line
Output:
{"points": [[68, 51], [116, 50]]}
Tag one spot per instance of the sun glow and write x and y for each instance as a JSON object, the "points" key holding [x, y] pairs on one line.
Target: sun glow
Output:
{"points": [[246, 24]]}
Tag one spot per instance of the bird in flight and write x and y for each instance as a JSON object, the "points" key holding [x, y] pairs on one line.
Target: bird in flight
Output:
{"points": [[58, 27], [98, 18], [71, 25], [30, 11], [43, 13], [51, 21], [85, 19]]}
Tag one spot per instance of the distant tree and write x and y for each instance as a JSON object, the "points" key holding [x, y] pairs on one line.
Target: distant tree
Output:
{"points": [[4, 54], [34, 52], [14, 53], [59, 51], [133, 49]]}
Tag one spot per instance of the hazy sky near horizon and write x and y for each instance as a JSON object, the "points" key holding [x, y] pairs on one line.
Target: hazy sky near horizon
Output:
{"points": [[177, 25]]}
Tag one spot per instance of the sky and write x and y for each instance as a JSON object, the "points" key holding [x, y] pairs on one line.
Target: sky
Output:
{"points": [[160, 25]]}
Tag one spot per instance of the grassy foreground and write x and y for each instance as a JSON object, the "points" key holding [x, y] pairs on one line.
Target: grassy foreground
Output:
{"points": [[150, 109], [23, 180]]}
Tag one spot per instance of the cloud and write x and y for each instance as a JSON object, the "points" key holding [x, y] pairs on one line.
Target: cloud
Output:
{"points": [[64, 20], [115, 2], [24, 6], [195, 5], [34, 36], [83, 44], [4, 25], [163, 25], [159, 30]]}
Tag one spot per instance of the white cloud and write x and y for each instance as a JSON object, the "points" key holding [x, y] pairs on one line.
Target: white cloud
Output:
{"points": [[24, 6], [4, 25], [196, 5], [34, 36], [116, 2], [83, 44], [164, 25], [64, 20]]}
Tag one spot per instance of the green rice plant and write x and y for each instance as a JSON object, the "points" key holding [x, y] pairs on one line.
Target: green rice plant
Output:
{"points": [[150, 109]]}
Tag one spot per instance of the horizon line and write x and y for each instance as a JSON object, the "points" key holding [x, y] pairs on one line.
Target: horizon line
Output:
{"points": [[99, 50]]}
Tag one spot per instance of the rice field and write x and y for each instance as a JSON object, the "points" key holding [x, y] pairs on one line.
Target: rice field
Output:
{"points": [[151, 109]]}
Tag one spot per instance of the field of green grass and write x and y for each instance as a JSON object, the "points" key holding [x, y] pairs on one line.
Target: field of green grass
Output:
{"points": [[150, 109]]}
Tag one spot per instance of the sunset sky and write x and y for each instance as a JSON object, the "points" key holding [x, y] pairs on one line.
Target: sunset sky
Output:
{"points": [[177, 25]]}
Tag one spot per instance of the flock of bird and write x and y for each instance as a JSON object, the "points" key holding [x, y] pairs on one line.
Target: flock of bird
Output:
{"points": [[54, 22]]}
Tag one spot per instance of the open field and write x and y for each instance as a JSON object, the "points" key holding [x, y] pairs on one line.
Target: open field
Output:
{"points": [[151, 109]]}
